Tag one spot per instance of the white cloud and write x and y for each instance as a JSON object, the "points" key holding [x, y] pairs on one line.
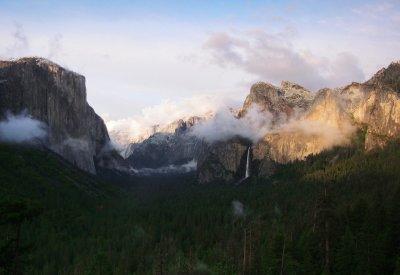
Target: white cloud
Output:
{"points": [[170, 169], [21, 128], [256, 124], [224, 125], [133, 129], [331, 135]]}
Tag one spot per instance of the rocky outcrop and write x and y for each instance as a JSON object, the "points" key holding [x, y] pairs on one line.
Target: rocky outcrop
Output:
{"points": [[386, 79], [282, 102], [57, 97], [267, 98], [296, 96], [305, 124]]}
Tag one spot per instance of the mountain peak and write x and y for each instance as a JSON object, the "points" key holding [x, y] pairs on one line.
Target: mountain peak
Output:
{"points": [[395, 62], [387, 78], [262, 87]]}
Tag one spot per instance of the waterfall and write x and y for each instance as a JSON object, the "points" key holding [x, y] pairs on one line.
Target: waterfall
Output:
{"points": [[248, 164]]}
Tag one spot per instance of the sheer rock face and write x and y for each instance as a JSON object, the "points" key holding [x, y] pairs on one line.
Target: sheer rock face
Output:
{"points": [[170, 145], [379, 109], [289, 146], [312, 124], [57, 96], [381, 113], [223, 161]]}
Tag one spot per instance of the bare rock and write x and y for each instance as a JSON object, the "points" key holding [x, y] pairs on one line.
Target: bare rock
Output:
{"points": [[57, 97]]}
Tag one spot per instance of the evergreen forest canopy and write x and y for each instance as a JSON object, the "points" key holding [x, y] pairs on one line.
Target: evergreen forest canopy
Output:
{"points": [[337, 212]]}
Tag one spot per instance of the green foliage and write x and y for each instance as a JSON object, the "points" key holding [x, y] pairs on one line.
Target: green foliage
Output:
{"points": [[337, 212]]}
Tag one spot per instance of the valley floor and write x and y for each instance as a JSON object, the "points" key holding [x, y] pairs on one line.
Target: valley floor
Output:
{"points": [[338, 212]]}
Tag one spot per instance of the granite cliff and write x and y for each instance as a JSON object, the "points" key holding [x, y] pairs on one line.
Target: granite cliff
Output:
{"points": [[305, 123], [57, 97]]}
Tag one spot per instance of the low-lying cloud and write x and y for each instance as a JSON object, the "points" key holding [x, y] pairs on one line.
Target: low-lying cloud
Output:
{"points": [[224, 126], [256, 124], [21, 128], [140, 127], [170, 169], [329, 135], [76, 144]]}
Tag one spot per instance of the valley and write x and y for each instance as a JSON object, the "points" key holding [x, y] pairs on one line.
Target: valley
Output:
{"points": [[292, 183], [343, 198]]}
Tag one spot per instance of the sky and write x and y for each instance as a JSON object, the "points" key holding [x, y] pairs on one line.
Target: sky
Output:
{"points": [[149, 62]]}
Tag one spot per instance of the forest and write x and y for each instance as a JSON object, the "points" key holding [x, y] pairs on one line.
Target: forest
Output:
{"points": [[337, 212]]}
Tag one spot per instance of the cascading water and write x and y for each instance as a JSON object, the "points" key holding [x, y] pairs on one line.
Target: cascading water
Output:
{"points": [[247, 173], [247, 164]]}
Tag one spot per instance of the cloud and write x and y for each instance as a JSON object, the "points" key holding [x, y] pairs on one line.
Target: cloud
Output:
{"points": [[329, 135], [76, 144], [21, 128], [170, 169], [272, 57], [139, 127], [224, 126], [256, 124]]}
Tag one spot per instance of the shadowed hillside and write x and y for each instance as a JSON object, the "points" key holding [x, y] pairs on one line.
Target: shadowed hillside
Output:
{"points": [[335, 211]]}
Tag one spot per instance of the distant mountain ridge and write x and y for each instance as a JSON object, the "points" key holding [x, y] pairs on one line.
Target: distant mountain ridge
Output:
{"points": [[170, 145], [303, 123]]}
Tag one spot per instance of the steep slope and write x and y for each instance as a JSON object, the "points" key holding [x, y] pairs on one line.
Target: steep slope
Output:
{"points": [[57, 96], [28, 172], [66, 200]]}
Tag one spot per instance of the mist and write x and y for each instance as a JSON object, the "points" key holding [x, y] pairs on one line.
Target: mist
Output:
{"points": [[21, 128], [331, 135], [237, 209], [170, 169], [256, 124], [139, 127], [76, 144], [225, 125]]}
